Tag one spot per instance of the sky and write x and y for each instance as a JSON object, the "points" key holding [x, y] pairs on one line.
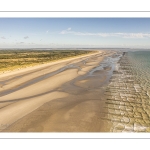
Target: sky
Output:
{"points": [[74, 32]]}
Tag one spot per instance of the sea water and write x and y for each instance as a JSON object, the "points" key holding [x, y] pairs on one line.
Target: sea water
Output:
{"points": [[128, 94]]}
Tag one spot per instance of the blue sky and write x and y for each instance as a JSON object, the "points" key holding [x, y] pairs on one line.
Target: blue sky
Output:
{"points": [[74, 32]]}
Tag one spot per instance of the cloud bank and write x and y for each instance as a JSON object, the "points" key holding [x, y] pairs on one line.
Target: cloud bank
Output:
{"points": [[118, 34]]}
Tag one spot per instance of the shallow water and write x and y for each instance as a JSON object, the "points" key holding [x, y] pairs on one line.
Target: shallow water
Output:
{"points": [[128, 94]]}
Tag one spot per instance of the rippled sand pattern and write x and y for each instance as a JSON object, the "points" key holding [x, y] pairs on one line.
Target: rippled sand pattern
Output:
{"points": [[128, 94]]}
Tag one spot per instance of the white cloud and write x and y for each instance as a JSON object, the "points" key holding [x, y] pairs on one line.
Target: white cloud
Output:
{"points": [[3, 37], [136, 35], [47, 31], [26, 37], [20, 43], [66, 31], [119, 34]]}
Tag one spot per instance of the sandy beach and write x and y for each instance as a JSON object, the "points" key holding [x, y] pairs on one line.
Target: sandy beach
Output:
{"points": [[62, 96]]}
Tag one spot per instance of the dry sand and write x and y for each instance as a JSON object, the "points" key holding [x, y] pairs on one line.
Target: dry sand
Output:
{"points": [[63, 96]]}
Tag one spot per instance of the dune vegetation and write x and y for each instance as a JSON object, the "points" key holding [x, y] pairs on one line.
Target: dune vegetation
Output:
{"points": [[16, 59]]}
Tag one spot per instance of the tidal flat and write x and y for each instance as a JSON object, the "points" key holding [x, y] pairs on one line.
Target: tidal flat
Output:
{"points": [[104, 91]]}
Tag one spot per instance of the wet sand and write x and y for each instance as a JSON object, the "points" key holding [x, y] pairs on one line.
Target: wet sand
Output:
{"points": [[65, 96]]}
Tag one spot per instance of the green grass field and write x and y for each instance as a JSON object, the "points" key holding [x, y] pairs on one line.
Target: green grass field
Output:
{"points": [[13, 59]]}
